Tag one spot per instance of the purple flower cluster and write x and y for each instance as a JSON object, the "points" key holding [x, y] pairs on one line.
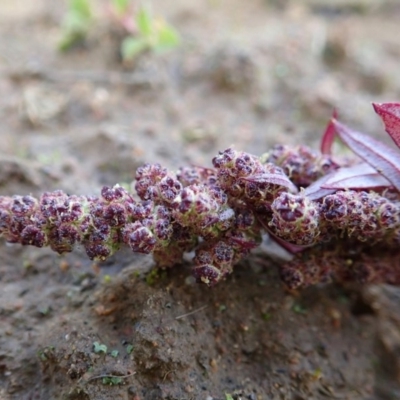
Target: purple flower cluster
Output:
{"points": [[366, 216], [301, 164], [295, 219], [60, 221], [351, 262], [220, 213], [243, 177]]}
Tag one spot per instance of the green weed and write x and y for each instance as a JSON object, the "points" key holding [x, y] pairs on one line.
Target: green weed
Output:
{"points": [[77, 22], [154, 34]]}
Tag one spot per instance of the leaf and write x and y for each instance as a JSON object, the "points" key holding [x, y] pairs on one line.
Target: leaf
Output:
{"points": [[145, 21], [75, 30], [383, 158], [76, 23], [360, 176], [81, 7], [99, 348], [114, 353], [167, 38], [390, 114], [275, 179], [329, 136], [69, 40], [317, 190], [111, 380], [131, 47]]}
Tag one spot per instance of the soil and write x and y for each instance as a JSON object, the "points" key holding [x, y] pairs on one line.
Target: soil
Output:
{"points": [[248, 74]]}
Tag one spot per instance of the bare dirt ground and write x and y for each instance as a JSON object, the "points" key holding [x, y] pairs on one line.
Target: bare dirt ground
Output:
{"points": [[249, 74]]}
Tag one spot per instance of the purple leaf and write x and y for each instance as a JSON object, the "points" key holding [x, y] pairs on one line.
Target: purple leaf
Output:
{"points": [[316, 190], [383, 158], [245, 244], [329, 136], [390, 114], [360, 176], [275, 179]]}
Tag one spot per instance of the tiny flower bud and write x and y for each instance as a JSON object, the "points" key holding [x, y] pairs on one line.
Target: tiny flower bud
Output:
{"points": [[295, 219]]}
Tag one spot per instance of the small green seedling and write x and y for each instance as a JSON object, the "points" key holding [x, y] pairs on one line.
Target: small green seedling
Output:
{"points": [[76, 24], [154, 34], [129, 348], [99, 348], [115, 353], [144, 32], [111, 380]]}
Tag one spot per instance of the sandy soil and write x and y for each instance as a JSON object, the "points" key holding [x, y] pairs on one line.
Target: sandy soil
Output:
{"points": [[248, 74]]}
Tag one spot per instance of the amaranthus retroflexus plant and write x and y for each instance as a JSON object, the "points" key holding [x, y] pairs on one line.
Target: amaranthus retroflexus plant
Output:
{"points": [[340, 217]]}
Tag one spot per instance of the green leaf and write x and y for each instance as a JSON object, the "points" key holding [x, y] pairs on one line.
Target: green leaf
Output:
{"points": [[145, 21], [70, 39], [111, 380], [131, 47], [80, 7], [99, 348], [129, 348], [167, 37], [76, 23], [114, 353]]}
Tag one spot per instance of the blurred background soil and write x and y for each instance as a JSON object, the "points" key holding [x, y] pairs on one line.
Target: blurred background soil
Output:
{"points": [[249, 74]]}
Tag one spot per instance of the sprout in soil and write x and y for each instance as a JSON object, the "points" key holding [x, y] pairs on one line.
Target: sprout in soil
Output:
{"points": [[138, 29]]}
